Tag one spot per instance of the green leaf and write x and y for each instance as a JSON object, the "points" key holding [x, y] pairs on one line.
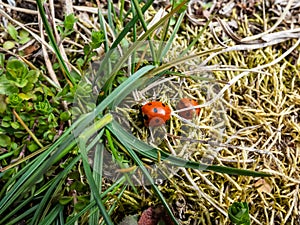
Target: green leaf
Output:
{"points": [[26, 96], [33, 76], [2, 104], [79, 62], [15, 100], [6, 87], [65, 200], [80, 205], [4, 140], [97, 39], [65, 116], [24, 40], [17, 72], [43, 107], [2, 58], [15, 125], [28, 87], [86, 49], [23, 34], [69, 21], [9, 45], [238, 213], [33, 147], [12, 32]]}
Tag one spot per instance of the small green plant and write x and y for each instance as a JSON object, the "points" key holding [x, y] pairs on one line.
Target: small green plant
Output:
{"points": [[24, 105], [18, 37], [68, 26], [238, 213], [88, 50]]}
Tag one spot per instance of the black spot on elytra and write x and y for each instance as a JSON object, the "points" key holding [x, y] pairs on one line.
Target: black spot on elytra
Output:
{"points": [[155, 110]]}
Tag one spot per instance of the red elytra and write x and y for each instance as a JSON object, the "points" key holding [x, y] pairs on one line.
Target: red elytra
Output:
{"points": [[187, 103], [155, 113]]}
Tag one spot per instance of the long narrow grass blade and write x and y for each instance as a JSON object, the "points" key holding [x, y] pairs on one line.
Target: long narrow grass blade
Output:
{"points": [[82, 212], [58, 178], [115, 185], [110, 15], [182, 60], [53, 42], [49, 220], [147, 175], [93, 186], [35, 170], [153, 153], [119, 159], [103, 28], [109, 77], [97, 175], [134, 38], [23, 215], [127, 28], [172, 37], [123, 89], [83, 138], [15, 210], [144, 25]]}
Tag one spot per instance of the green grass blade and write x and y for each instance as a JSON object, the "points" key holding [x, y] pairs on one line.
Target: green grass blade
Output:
{"points": [[97, 175], [127, 28], [110, 15], [111, 209], [35, 170], [74, 219], [93, 185], [23, 215], [115, 186], [15, 177], [83, 138], [172, 37], [181, 60], [119, 159], [46, 198], [52, 215], [153, 153], [147, 175], [123, 89], [53, 42], [15, 210], [144, 25], [110, 77], [103, 28]]}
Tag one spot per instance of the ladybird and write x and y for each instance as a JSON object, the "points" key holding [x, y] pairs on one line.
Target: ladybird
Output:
{"points": [[187, 103], [155, 113]]}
